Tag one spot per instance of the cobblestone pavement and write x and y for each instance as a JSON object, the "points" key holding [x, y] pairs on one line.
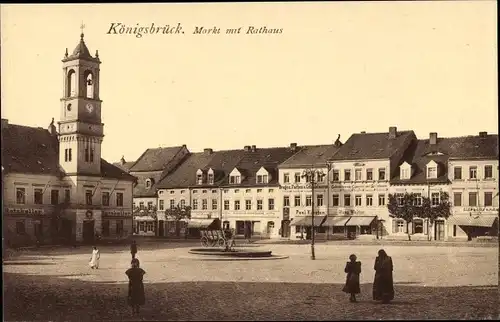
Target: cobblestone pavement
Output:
{"points": [[430, 283]]}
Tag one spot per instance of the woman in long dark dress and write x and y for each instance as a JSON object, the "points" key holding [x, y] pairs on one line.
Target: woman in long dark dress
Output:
{"points": [[136, 296], [133, 249], [383, 285], [353, 269]]}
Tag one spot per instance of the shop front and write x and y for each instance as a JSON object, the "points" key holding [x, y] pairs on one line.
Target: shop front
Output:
{"points": [[116, 224], [471, 223], [303, 226]]}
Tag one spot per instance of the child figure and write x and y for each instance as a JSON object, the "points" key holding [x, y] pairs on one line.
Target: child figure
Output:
{"points": [[353, 270]]}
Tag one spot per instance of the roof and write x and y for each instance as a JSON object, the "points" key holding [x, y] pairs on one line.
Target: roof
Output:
{"points": [[155, 159], [124, 166], [81, 52], [140, 189], [472, 147], [34, 150], [311, 155], [362, 146]]}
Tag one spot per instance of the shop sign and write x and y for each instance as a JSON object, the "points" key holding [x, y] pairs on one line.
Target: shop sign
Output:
{"points": [[309, 212], [296, 187], [116, 213], [25, 211], [478, 209]]}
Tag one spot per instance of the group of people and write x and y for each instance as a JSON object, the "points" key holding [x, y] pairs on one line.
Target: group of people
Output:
{"points": [[135, 275], [383, 285]]}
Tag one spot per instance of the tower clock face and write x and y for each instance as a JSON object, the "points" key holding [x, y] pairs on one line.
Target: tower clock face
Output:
{"points": [[89, 107]]}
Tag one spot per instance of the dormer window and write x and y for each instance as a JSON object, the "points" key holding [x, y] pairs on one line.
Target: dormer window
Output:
{"points": [[149, 183], [432, 170], [405, 171], [235, 179], [199, 179], [210, 178], [262, 178]]}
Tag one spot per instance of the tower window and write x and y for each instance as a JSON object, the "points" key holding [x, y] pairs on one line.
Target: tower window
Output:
{"points": [[69, 155], [91, 155], [66, 152], [71, 84], [89, 84], [87, 157]]}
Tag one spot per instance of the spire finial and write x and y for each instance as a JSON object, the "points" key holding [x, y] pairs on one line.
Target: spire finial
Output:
{"points": [[82, 26], [66, 53]]}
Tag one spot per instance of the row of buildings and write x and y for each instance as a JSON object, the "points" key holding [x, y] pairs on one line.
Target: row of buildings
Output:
{"points": [[265, 190]]}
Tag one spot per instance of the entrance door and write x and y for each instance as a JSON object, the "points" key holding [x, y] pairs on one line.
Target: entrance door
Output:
{"points": [[38, 230], [270, 228], [439, 230], [88, 231], [161, 228], [285, 228]]}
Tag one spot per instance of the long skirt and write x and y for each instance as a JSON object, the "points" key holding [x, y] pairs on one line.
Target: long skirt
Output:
{"points": [[136, 294], [352, 284], [383, 287]]}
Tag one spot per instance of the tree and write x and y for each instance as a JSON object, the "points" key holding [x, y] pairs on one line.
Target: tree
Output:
{"points": [[441, 210], [402, 206], [178, 213]]}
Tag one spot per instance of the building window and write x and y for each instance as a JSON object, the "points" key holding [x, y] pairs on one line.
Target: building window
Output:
{"points": [[435, 198], [210, 178], [473, 172], [369, 174], [161, 204], [259, 190], [214, 191], [226, 204], [199, 179], [336, 175], [381, 200], [88, 197], [183, 203], [183, 191], [148, 183], [297, 177], [321, 177], [308, 201], [357, 200], [308, 178], [472, 199], [369, 200], [271, 190], [204, 191], [204, 204], [260, 204], [54, 197], [171, 192], [141, 205], [236, 190], [488, 171], [297, 201], [149, 226], [262, 178], [248, 204], [234, 179], [286, 201], [214, 204], [38, 196], [105, 198], [381, 174], [400, 226], [119, 199], [172, 203], [432, 172], [67, 196], [20, 228], [457, 173], [347, 200], [119, 227], [418, 226], [418, 199], [105, 228], [457, 199], [286, 178], [488, 199], [20, 196], [319, 200], [399, 198], [404, 173], [236, 205], [195, 191], [195, 204], [335, 200], [357, 175], [347, 175], [270, 203], [226, 190]]}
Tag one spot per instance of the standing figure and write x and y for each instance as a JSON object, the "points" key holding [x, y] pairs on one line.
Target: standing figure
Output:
{"points": [[94, 259], [133, 249], [383, 286], [353, 269], [136, 296]]}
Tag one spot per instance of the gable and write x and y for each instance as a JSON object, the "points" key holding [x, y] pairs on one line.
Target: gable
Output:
{"points": [[432, 164], [235, 172], [262, 172], [405, 165]]}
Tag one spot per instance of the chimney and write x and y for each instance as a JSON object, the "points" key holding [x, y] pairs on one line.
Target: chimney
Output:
{"points": [[363, 132], [483, 134], [293, 146], [184, 146], [208, 151], [247, 148], [52, 128], [122, 160], [5, 123], [433, 138], [254, 148], [393, 132]]}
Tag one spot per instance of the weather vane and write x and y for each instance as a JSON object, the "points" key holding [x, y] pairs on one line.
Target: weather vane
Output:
{"points": [[82, 26]]}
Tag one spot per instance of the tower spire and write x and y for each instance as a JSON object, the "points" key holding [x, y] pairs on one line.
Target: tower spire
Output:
{"points": [[82, 26]]}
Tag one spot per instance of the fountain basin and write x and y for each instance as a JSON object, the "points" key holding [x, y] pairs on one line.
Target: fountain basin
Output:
{"points": [[220, 252]]}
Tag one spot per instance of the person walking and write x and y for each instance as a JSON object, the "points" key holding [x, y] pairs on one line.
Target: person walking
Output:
{"points": [[94, 259], [383, 284], [133, 249], [136, 296], [353, 270]]}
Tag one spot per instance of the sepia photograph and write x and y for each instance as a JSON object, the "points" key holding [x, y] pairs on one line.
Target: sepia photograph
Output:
{"points": [[250, 161]]}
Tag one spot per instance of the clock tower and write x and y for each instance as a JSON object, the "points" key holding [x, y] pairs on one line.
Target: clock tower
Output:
{"points": [[80, 128]]}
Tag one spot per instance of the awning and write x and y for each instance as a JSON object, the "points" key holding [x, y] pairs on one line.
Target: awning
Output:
{"points": [[203, 223], [360, 221], [337, 221], [307, 221], [474, 220], [144, 218]]}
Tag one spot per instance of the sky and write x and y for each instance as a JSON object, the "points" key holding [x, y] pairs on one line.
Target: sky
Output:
{"points": [[336, 68]]}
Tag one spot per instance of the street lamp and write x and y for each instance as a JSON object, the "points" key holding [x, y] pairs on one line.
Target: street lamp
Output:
{"points": [[311, 174]]}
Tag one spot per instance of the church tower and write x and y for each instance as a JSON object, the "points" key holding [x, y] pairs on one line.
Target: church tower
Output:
{"points": [[80, 128]]}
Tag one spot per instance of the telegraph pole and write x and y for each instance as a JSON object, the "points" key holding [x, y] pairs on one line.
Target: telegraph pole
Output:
{"points": [[313, 182]]}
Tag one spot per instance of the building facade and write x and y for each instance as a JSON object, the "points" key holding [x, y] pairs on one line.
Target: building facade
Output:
{"points": [[56, 186]]}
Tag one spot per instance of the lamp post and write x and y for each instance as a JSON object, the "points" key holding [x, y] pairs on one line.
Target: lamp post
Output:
{"points": [[311, 174]]}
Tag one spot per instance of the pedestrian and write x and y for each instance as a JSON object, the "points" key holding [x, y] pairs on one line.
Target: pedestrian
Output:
{"points": [[383, 285], [133, 249], [136, 296], [94, 259], [353, 270]]}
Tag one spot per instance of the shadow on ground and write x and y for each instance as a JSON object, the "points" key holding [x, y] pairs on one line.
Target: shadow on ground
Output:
{"points": [[54, 298]]}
